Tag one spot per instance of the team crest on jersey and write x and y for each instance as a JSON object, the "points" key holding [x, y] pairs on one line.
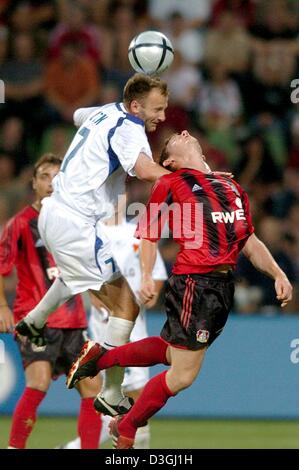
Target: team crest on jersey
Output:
{"points": [[202, 336]]}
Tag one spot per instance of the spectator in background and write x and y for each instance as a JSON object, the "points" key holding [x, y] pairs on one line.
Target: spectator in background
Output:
{"points": [[228, 42], [195, 13], [16, 191], [293, 157], [23, 78], [183, 73], [12, 141], [220, 103], [187, 41], [71, 82], [242, 10], [29, 15], [7, 171], [256, 163], [220, 109], [117, 35], [3, 44], [274, 65], [74, 27], [57, 139]]}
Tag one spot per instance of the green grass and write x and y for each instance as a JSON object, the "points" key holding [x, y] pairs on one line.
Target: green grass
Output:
{"points": [[177, 434]]}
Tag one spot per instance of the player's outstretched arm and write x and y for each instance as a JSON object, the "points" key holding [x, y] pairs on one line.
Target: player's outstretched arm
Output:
{"points": [[148, 254], [146, 169], [81, 114], [6, 317], [261, 258]]}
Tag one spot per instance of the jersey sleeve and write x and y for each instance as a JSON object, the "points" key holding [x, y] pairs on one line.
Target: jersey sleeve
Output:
{"points": [[127, 142], [81, 114], [9, 246], [153, 220], [159, 271]]}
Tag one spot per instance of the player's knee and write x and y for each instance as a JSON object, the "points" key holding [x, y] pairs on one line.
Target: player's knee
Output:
{"points": [[184, 379], [129, 313], [89, 388], [39, 383]]}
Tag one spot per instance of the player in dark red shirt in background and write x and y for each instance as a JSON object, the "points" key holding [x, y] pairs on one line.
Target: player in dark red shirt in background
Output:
{"points": [[21, 246], [210, 220]]}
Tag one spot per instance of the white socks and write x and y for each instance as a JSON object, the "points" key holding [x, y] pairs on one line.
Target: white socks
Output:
{"points": [[142, 438], [117, 333], [55, 296]]}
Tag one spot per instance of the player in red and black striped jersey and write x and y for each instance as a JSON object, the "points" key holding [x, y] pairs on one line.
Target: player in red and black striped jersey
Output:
{"points": [[22, 247], [209, 217]]}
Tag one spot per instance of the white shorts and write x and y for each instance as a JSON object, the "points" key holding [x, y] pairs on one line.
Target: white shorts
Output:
{"points": [[135, 377], [81, 250]]}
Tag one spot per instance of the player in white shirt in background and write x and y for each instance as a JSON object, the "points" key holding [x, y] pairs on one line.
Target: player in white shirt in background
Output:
{"points": [[110, 144], [125, 249]]}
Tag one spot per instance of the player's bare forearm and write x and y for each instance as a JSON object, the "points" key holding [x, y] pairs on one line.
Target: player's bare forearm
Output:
{"points": [[6, 318], [2, 291], [148, 254], [261, 258], [158, 286], [146, 169]]}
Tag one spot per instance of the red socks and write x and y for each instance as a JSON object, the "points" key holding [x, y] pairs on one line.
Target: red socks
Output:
{"points": [[89, 425], [153, 397], [146, 352], [24, 417]]}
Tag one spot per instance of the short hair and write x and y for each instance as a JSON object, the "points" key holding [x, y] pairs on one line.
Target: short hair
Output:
{"points": [[48, 158], [164, 152], [140, 85]]}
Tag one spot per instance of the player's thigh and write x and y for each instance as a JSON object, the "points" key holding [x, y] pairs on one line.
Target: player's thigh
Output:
{"points": [[119, 299], [185, 366], [39, 375]]}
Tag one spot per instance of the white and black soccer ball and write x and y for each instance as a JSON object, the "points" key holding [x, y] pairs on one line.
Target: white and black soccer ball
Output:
{"points": [[151, 53]]}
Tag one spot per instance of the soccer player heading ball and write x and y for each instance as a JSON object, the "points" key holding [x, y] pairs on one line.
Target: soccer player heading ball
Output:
{"points": [[199, 294]]}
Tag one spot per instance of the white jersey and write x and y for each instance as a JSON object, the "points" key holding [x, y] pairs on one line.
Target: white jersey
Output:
{"points": [[125, 250], [103, 151]]}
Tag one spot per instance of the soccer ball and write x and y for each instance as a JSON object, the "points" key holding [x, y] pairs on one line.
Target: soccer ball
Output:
{"points": [[150, 52]]}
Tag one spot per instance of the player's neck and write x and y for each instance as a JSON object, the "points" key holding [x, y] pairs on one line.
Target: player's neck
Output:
{"points": [[37, 205], [197, 167]]}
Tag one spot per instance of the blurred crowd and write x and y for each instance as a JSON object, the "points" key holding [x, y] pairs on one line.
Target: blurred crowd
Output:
{"points": [[234, 84]]}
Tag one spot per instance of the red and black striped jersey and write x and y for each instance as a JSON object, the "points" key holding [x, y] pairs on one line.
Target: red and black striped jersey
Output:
{"points": [[21, 246], [207, 214]]}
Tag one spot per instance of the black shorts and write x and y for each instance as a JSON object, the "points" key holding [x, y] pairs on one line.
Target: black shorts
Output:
{"points": [[197, 307], [61, 351]]}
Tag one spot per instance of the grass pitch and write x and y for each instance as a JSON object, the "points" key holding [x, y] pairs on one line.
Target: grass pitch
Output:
{"points": [[176, 434]]}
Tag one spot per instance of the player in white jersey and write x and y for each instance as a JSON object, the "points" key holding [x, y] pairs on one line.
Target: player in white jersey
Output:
{"points": [[125, 249], [110, 143]]}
